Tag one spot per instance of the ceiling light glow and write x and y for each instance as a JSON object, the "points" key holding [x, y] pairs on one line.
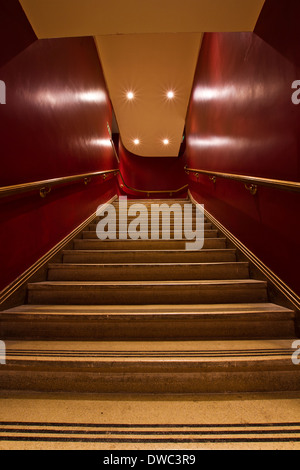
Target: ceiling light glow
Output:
{"points": [[166, 141], [130, 95], [170, 95], [136, 141]]}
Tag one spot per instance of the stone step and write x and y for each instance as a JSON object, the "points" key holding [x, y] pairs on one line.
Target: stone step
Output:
{"points": [[147, 292], [156, 201], [148, 219], [93, 235], [86, 244], [157, 322], [151, 367], [145, 256], [147, 272], [207, 226], [148, 203]]}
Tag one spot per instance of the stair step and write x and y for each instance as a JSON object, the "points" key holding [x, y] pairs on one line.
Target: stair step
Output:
{"points": [[86, 244], [155, 201], [151, 367], [145, 256], [147, 272], [207, 226], [93, 235], [216, 321], [147, 292], [125, 215], [149, 204]]}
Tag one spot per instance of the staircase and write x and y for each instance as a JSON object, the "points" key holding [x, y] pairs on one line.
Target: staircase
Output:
{"points": [[147, 316]]}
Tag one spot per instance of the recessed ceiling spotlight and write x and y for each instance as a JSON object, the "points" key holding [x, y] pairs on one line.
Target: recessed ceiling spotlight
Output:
{"points": [[136, 141], [166, 141], [130, 95], [170, 95]]}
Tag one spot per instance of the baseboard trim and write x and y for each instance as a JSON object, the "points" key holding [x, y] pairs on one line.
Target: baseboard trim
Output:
{"points": [[271, 277], [18, 284]]}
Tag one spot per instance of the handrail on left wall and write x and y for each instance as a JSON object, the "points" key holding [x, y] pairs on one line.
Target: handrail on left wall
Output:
{"points": [[44, 186]]}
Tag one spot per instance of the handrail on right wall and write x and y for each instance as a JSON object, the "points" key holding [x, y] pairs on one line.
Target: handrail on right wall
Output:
{"points": [[251, 182]]}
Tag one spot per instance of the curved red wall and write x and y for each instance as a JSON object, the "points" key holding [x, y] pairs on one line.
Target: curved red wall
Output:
{"points": [[241, 120], [54, 124], [151, 173]]}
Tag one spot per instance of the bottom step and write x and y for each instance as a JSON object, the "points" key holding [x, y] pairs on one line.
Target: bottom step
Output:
{"points": [[151, 367]]}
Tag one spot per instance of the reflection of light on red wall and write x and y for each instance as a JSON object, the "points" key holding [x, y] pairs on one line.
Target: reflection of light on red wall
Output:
{"points": [[54, 124], [241, 120]]}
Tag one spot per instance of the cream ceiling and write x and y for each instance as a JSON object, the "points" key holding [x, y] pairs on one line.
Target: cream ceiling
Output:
{"points": [[148, 46], [154, 64]]}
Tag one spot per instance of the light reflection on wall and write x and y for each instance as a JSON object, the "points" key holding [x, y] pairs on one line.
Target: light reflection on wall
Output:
{"points": [[242, 93], [67, 98], [100, 142]]}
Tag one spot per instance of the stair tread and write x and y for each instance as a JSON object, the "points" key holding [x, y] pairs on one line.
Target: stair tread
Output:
{"points": [[173, 346], [222, 351], [148, 309], [38, 285], [116, 265], [206, 250], [130, 240], [152, 311]]}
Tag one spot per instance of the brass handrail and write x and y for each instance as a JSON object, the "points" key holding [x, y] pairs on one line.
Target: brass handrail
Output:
{"points": [[44, 186], [251, 182], [148, 192]]}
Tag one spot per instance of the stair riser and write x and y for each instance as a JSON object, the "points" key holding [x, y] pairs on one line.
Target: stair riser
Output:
{"points": [[143, 329], [180, 380], [209, 244], [141, 295], [93, 235], [153, 208], [149, 272], [129, 219], [150, 257]]}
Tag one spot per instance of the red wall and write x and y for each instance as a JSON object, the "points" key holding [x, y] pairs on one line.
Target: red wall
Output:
{"points": [[51, 126], [151, 173], [241, 120]]}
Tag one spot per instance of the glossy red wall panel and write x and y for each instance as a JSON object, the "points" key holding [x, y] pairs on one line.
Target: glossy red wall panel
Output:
{"points": [[54, 124], [242, 120]]}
